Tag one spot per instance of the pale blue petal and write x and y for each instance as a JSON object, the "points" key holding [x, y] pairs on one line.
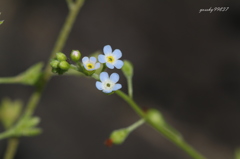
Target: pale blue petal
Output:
{"points": [[119, 64], [107, 49], [109, 65], [107, 91], [99, 85], [93, 59], [117, 87], [85, 67], [117, 53], [97, 65], [104, 76], [114, 77], [101, 58], [85, 59]]}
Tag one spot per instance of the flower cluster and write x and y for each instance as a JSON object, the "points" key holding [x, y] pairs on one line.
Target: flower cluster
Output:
{"points": [[89, 65], [111, 59]]}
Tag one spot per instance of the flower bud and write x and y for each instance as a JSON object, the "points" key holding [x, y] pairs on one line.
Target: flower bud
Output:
{"points": [[64, 65], [155, 117], [118, 136], [54, 63], [75, 55], [127, 69], [61, 56]]}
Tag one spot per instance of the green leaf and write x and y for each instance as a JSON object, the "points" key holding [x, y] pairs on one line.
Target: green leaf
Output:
{"points": [[29, 77], [10, 111], [26, 126], [30, 132], [32, 75]]}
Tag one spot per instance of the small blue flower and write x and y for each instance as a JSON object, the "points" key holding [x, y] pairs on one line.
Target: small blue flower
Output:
{"points": [[90, 63], [107, 85], [111, 58]]}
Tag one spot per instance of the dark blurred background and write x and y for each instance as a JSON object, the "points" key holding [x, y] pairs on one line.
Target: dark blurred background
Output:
{"points": [[187, 64]]}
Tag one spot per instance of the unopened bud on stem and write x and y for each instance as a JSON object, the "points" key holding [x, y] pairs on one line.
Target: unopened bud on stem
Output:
{"points": [[75, 55]]}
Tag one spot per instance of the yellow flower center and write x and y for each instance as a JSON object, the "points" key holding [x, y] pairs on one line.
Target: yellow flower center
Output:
{"points": [[110, 59], [90, 66]]}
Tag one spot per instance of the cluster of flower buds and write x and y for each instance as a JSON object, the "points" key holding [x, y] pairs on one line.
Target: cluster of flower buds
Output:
{"points": [[59, 63]]}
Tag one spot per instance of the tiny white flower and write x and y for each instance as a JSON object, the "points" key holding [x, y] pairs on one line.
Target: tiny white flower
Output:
{"points": [[108, 84], [111, 58], [90, 63]]}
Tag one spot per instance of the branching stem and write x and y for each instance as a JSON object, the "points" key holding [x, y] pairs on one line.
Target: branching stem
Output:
{"points": [[163, 130], [35, 98]]}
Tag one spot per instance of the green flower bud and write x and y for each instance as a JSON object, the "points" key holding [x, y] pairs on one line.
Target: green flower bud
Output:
{"points": [[127, 69], [118, 136], [54, 63], [155, 117], [75, 55], [64, 65], [61, 56]]}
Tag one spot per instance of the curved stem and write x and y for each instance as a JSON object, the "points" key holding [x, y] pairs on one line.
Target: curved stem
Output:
{"points": [[163, 130], [35, 98]]}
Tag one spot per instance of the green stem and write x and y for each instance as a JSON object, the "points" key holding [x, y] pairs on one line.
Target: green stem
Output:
{"points": [[11, 148], [163, 130], [130, 89], [135, 125], [60, 43], [64, 33], [134, 106], [34, 99], [70, 3], [8, 80]]}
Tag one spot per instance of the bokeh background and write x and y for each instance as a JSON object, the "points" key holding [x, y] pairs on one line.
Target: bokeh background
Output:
{"points": [[187, 65]]}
